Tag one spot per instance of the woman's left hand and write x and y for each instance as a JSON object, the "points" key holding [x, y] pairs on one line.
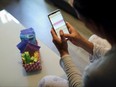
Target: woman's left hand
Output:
{"points": [[60, 43]]}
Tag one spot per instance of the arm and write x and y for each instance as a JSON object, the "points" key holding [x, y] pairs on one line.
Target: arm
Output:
{"points": [[73, 73], [96, 46], [78, 39], [101, 47]]}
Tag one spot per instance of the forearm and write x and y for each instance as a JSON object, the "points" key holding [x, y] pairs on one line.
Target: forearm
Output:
{"points": [[73, 73], [87, 45]]}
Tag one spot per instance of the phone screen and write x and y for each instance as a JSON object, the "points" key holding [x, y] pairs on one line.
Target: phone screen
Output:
{"points": [[58, 22]]}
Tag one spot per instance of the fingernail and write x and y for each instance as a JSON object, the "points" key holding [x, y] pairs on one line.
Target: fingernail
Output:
{"points": [[61, 31]]}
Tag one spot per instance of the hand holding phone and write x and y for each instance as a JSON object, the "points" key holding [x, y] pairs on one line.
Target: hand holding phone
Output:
{"points": [[58, 23]]}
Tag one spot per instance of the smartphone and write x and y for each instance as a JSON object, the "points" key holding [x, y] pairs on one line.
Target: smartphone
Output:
{"points": [[57, 22]]}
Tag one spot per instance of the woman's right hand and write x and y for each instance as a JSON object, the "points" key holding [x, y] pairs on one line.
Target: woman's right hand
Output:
{"points": [[78, 40], [74, 36]]}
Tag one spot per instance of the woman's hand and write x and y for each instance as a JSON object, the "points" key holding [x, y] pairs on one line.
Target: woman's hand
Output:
{"points": [[60, 43], [78, 40], [74, 36]]}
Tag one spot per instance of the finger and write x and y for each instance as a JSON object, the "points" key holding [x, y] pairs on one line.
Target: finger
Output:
{"points": [[67, 36], [69, 25], [62, 35], [53, 33]]}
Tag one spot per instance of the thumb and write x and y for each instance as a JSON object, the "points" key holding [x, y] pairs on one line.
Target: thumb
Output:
{"points": [[62, 35], [67, 36]]}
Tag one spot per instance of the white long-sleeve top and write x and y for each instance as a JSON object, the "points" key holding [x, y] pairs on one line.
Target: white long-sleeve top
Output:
{"points": [[101, 72]]}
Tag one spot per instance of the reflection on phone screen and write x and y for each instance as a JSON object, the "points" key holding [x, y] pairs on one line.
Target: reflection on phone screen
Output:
{"points": [[58, 23]]}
